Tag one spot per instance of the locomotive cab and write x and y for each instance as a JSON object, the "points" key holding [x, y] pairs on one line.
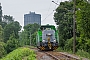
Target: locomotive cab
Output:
{"points": [[47, 38]]}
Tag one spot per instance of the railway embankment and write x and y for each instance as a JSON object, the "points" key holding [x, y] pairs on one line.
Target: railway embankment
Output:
{"points": [[32, 53]]}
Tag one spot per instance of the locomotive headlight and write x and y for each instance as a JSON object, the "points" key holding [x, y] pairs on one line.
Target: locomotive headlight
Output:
{"points": [[43, 40], [54, 41]]}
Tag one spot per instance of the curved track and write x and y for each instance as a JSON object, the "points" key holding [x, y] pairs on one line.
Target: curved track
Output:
{"points": [[54, 55], [61, 56]]}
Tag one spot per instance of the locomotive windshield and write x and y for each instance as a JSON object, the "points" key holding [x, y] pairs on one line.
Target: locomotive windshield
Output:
{"points": [[47, 27]]}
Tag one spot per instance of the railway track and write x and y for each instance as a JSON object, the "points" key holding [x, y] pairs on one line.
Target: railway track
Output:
{"points": [[61, 56], [54, 55], [51, 55]]}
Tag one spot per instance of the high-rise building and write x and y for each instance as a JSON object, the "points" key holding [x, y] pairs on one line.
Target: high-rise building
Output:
{"points": [[32, 18]]}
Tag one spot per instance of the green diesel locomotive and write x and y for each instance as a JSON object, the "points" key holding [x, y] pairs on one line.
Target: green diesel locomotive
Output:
{"points": [[47, 38]]}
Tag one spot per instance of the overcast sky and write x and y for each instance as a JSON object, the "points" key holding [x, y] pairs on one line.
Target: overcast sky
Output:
{"points": [[17, 9]]}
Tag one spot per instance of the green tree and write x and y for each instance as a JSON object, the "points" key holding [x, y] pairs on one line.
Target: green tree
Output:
{"points": [[33, 38], [8, 19], [64, 18], [83, 24], [0, 13], [83, 21], [23, 38], [13, 27], [3, 24], [2, 49], [25, 35], [12, 43], [31, 28], [1, 33]]}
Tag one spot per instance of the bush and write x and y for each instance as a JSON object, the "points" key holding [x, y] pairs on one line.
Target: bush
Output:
{"points": [[12, 45], [2, 49], [69, 44], [19, 53]]}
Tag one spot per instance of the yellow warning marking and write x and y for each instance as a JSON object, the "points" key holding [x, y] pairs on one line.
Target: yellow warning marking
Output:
{"points": [[54, 47], [42, 48], [49, 43]]}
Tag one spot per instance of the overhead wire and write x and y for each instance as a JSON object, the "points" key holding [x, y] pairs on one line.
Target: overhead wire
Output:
{"points": [[51, 12], [47, 13], [56, 4]]}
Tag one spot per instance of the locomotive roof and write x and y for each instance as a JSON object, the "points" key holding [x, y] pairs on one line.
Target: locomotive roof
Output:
{"points": [[48, 26]]}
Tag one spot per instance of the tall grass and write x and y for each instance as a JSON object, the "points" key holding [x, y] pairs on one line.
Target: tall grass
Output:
{"points": [[80, 53]]}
